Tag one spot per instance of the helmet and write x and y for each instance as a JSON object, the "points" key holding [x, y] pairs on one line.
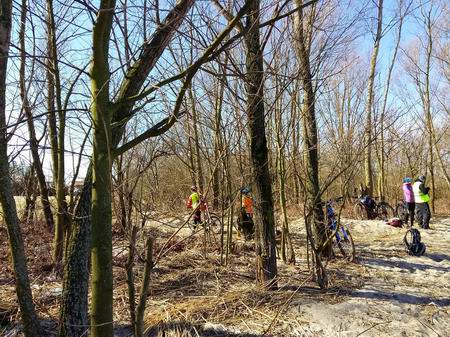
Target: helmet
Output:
{"points": [[245, 190], [407, 180], [193, 188], [421, 178]]}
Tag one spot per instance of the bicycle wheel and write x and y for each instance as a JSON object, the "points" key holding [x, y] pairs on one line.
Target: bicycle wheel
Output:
{"points": [[215, 224], [346, 244], [192, 227], [385, 211], [360, 211], [401, 212]]}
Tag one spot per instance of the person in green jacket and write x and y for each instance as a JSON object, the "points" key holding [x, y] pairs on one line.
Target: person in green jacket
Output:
{"points": [[422, 198], [194, 203]]}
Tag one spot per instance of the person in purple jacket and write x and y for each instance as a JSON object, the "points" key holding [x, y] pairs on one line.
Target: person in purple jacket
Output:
{"points": [[408, 195]]}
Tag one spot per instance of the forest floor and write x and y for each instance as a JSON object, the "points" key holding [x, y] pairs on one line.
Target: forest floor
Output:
{"points": [[385, 292]]}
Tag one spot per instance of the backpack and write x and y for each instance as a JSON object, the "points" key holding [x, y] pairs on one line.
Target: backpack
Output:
{"points": [[395, 222], [413, 244]]}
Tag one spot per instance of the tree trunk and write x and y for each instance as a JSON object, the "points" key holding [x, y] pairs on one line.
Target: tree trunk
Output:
{"points": [[295, 143], [218, 141], [368, 172], [266, 263], [74, 305], [191, 154], [32, 133], [427, 108], [19, 259], [286, 243], [30, 195], [198, 153], [310, 149], [60, 228], [73, 321], [140, 310], [132, 233], [101, 112]]}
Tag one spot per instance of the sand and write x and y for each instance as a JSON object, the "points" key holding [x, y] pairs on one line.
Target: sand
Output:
{"points": [[402, 295]]}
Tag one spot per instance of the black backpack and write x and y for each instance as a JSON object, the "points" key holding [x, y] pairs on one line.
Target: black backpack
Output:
{"points": [[412, 242]]}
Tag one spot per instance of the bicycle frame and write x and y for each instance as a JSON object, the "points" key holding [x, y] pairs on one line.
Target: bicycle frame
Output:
{"points": [[331, 215], [205, 210]]}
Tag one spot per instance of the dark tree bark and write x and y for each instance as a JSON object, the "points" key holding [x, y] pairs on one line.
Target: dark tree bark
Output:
{"points": [[266, 262], [73, 320]]}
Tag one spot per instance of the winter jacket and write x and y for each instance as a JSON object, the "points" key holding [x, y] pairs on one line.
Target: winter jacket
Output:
{"points": [[420, 193], [408, 193], [193, 201], [247, 203]]}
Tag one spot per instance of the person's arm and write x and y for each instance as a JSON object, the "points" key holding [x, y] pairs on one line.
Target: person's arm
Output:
{"points": [[424, 189]]}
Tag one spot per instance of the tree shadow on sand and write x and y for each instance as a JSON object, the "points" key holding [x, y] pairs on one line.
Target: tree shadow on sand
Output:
{"points": [[409, 266], [188, 329], [438, 257], [399, 297]]}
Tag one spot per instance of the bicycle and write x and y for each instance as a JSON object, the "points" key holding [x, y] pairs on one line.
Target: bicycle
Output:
{"points": [[370, 209], [342, 238], [211, 222], [402, 211]]}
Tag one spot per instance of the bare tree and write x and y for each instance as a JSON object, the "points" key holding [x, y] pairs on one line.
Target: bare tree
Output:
{"points": [[19, 260], [368, 170]]}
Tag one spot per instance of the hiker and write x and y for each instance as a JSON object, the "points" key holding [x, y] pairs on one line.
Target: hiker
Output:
{"points": [[421, 198], [245, 217], [247, 202], [408, 196], [194, 203]]}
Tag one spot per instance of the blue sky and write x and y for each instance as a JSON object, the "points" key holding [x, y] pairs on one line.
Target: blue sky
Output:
{"points": [[77, 52]]}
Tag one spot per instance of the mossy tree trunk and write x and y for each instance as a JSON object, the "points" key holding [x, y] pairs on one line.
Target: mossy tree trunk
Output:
{"points": [[101, 112], [106, 145], [74, 317]]}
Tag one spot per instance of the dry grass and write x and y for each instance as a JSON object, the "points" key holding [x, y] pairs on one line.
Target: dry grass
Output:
{"points": [[191, 295]]}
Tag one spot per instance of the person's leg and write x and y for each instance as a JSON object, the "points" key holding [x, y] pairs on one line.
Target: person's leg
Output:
{"points": [[426, 216], [419, 214], [406, 216], [411, 208], [197, 217]]}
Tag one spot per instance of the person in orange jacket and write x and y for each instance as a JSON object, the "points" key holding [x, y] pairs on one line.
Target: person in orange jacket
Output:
{"points": [[247, 202]]}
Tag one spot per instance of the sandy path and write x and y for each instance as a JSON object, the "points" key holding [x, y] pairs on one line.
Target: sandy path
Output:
{"points": [[401, 295]]}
